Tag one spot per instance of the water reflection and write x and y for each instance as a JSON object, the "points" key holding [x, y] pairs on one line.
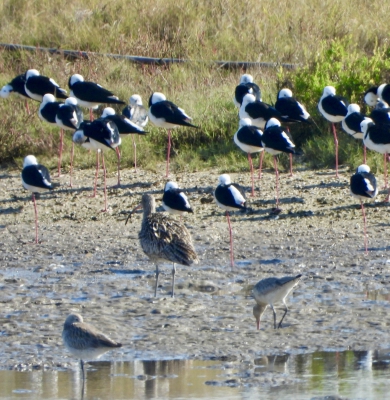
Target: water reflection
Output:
{"points": [[354, 374]]}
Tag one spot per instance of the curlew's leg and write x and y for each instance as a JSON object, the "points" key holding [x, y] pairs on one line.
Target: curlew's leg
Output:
{"points": [[273, 310], [277, 181], [364, 227], [135, 153], [336, 145], [36, 218], [285, 312], [231, 240], [118, 154], [364, 154], [96, 174], [60, 151], [155, 286], [82, 369], [105, 184], [71, 165], [251, 168], [173, 280], [261, 162], [168, 152]]}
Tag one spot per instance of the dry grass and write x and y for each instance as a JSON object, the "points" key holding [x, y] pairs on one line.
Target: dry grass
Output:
{"points": [[298, 32]]}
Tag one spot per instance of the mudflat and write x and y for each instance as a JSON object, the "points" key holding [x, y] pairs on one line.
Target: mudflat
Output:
{"points": [[91, 263]]}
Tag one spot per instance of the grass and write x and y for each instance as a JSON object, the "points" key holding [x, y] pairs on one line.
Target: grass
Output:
{"points": [[343, 51]]}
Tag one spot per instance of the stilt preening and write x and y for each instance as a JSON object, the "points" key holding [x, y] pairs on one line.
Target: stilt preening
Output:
{"points": [[16, 86], [292, 109], [90, 94], [125, 128], [102, 135], [230, 197], [35, 178], [69, 117], [334, 109], [363, 186], [37, 86], [269, 291], [163, 238], [351, 125], [383, 92], [277, 140], [246, 86], [259, 112], [377, 137], [136, 112], [248, 139], [174, 200], [165, 114], [84, 341]]}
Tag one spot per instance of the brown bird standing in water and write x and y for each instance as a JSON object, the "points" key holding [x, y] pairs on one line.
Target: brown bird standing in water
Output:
{"points": [[164, 239]]}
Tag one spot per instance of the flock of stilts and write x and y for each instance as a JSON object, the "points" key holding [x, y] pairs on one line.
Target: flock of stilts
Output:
{"points": [[162, 237]]}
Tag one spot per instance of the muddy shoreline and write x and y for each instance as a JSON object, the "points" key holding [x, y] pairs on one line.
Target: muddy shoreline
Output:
{"points": [[90, 262]]}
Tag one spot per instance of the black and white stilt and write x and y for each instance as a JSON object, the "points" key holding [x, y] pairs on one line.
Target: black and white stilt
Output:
{"points": [[248, 139], [276, 140], [230, 197], [334, 109], [136, 112], [165, 114], [363, 186], [246, 86], [175, 200], [35, 178], [37, 86]]}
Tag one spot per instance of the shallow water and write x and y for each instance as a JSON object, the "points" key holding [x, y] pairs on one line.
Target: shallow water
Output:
{"points": [[352, 374]]}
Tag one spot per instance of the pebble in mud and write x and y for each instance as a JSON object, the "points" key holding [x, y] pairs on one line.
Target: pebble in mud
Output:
{"points": [[342, 301]]}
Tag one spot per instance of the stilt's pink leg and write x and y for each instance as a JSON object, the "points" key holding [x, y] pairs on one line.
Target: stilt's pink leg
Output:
{"points": [[261, 163], [105, 184], [168, 152], [336, 144], [60, 151], [231, 240], [291, 162], [135, 153], [385, 172], [36, 218], [365, 227], [251, 168], [277, 181]]}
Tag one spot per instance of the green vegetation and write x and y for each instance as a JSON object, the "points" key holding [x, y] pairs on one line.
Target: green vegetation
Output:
{"points": [[332, 41]]}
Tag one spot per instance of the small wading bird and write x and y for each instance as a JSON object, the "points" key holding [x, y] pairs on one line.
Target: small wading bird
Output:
{"points": [[230, 197], [269, 291], [90, 94], [334, 109], [164, 239], [174, 200], [363, 186], [84, 341], [165, 114], [35, 178]]}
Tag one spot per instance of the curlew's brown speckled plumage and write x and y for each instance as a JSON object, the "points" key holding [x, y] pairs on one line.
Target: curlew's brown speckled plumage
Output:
{"points": [[84, 341], [164, 239]]}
